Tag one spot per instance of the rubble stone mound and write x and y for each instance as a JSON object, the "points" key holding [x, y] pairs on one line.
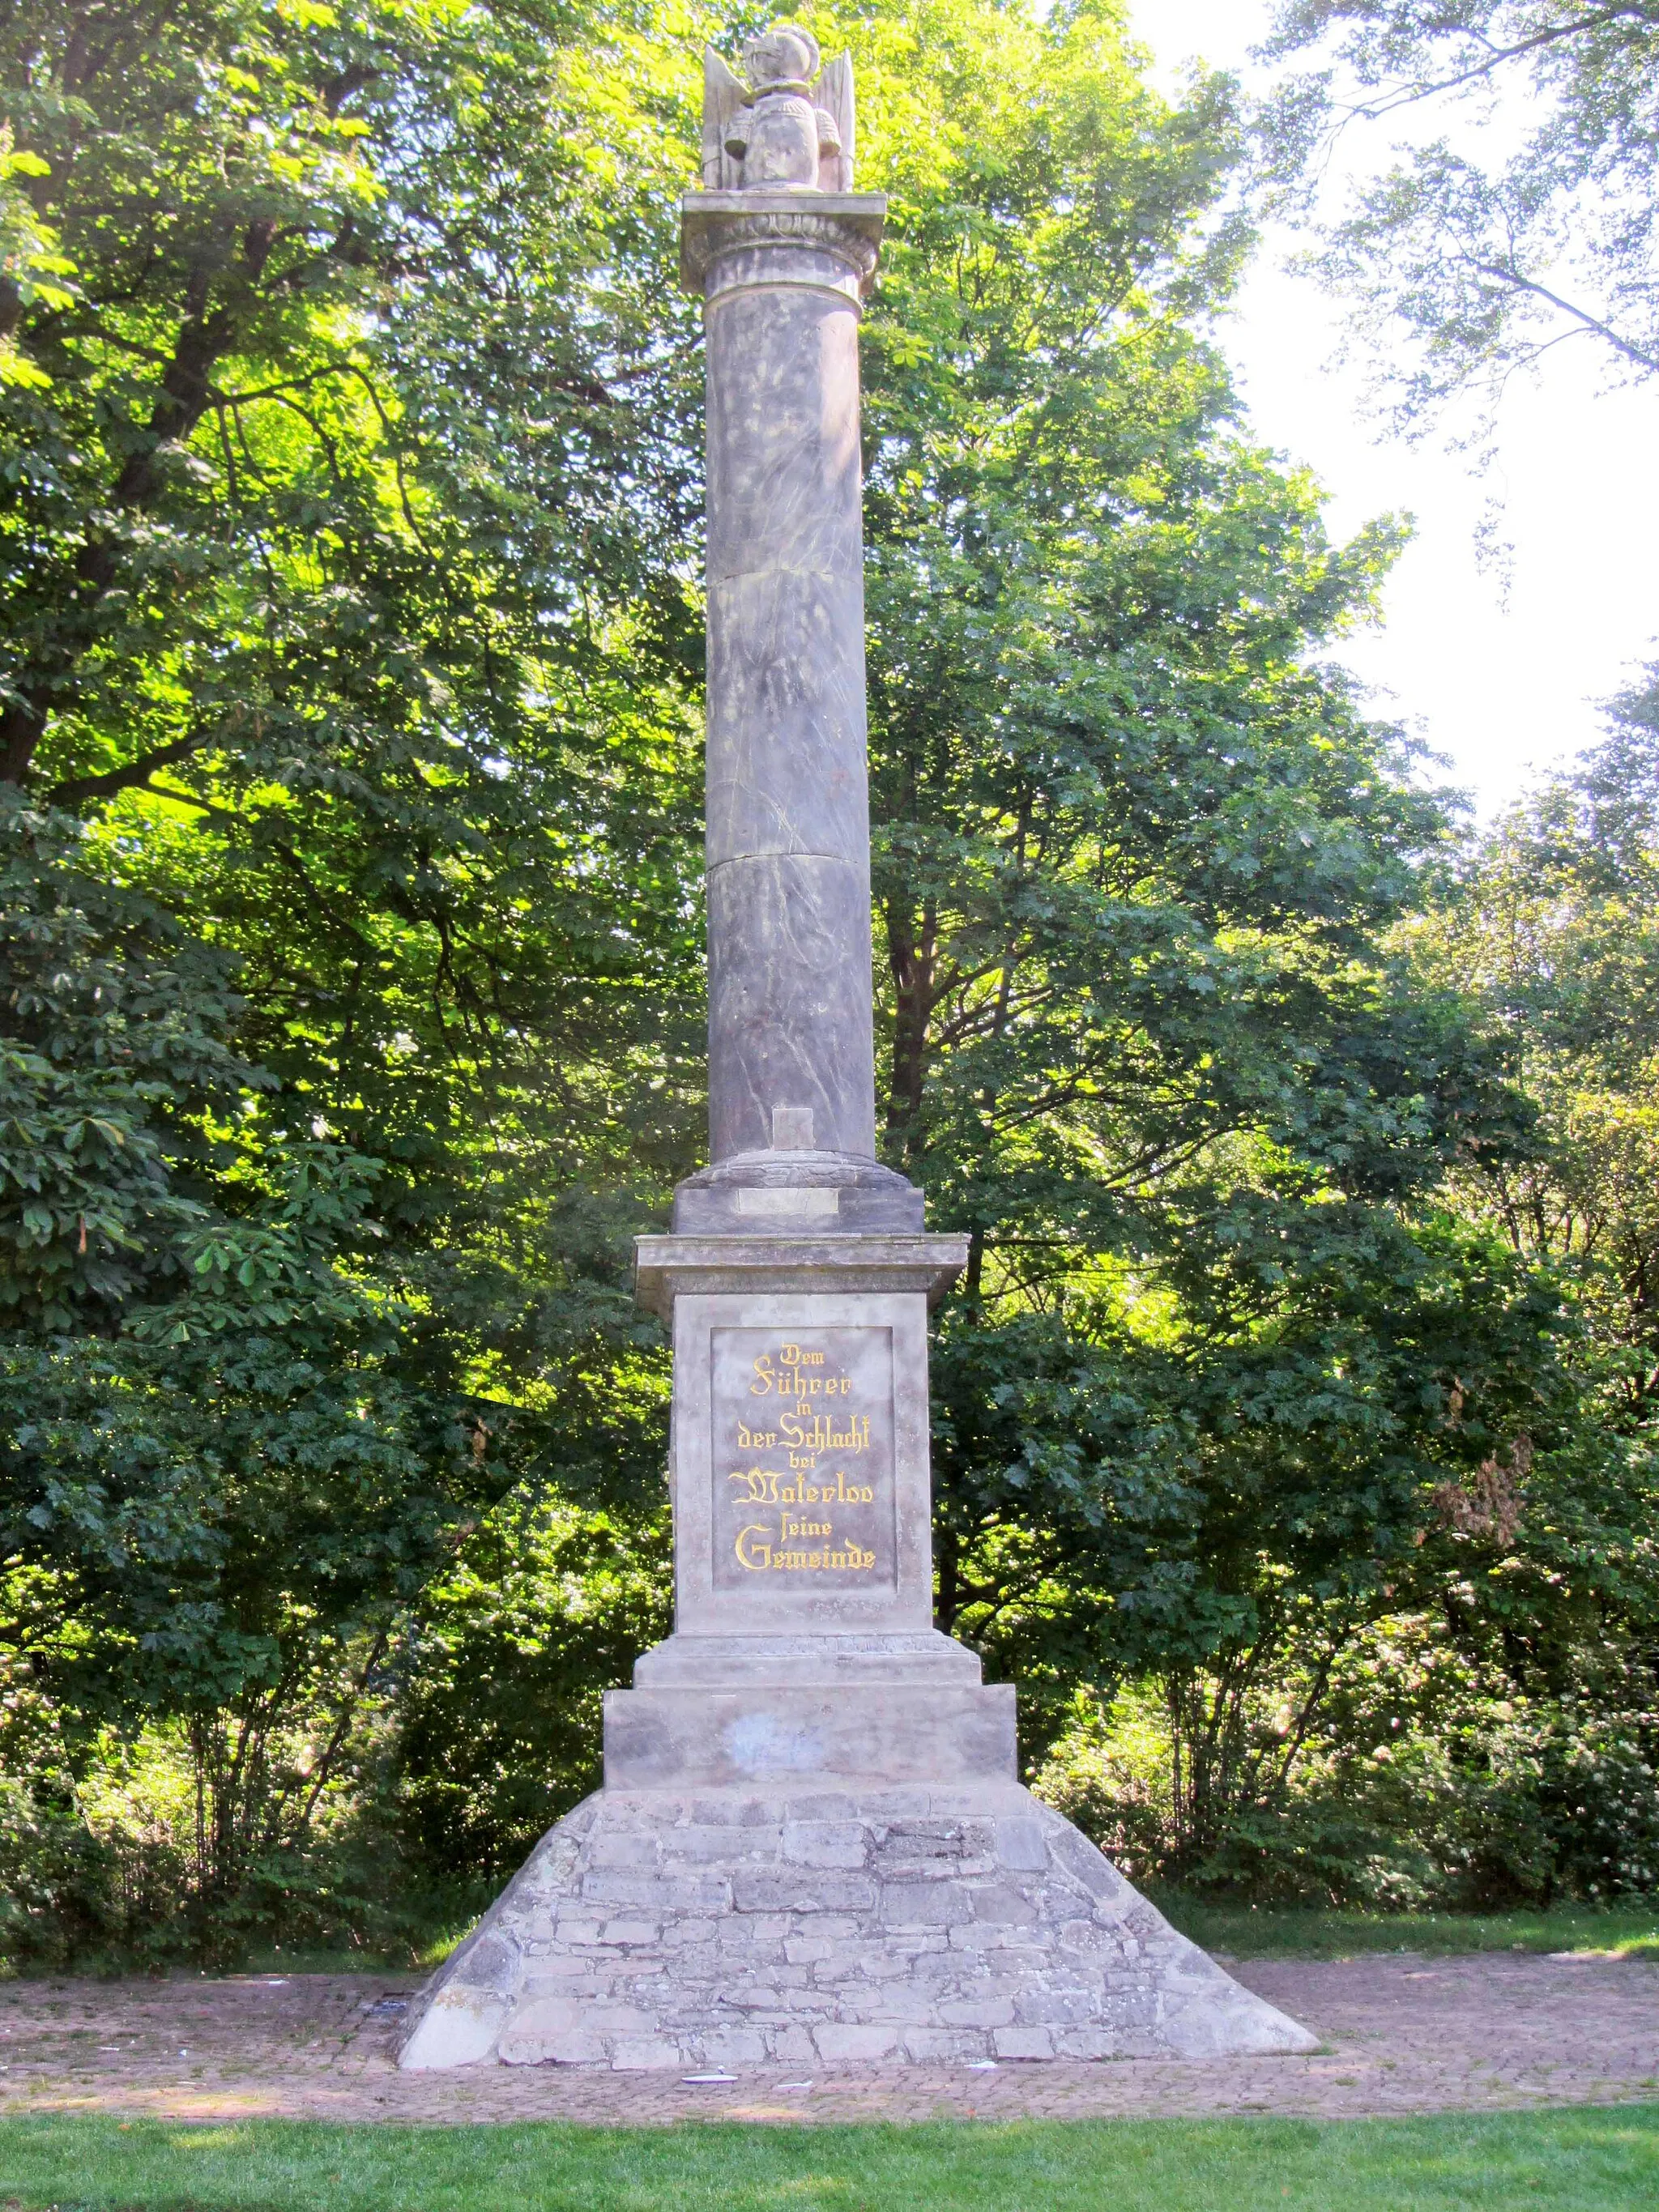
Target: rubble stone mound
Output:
{"points": [[737, 1928]]}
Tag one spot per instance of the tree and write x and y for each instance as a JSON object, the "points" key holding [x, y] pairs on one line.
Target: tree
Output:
{"points": [[348, 449], [359, 710], [1557, 924], [1481, 1731], [1530, 225], [223, 1477], [1137, 858], [350, 970], [1499, 1725]]}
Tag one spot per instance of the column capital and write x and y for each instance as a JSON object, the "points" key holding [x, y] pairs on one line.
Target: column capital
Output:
{"points": [[730, 240]]}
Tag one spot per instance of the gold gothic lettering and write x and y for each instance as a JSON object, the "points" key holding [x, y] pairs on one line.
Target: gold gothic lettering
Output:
{"points": [[790, 1379], [758, 1550], [819, 1471], [819, 1434], [767, 1485]]}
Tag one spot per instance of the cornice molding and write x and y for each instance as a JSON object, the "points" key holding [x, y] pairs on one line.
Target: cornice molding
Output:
{"points": [[846, 226]]}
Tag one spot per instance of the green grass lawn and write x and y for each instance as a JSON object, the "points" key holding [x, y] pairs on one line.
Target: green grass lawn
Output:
{"points": [[1296, 1932], [1586, 2159]]}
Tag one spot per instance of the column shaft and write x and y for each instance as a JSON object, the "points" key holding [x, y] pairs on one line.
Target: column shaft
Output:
{"points": [[788, 831]]}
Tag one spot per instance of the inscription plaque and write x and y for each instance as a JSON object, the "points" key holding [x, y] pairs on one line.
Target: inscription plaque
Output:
{"points": [[802, 1440]]}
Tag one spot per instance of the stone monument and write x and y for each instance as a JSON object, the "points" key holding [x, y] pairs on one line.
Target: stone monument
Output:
{"points": [[811, 1846]]}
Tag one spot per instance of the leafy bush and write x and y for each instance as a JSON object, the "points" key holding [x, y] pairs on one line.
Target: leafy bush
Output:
{"points": [[1424, 1781]]}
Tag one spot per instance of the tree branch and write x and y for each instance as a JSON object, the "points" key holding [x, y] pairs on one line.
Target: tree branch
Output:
{"points": [[76, 789], [1511, 276], [1408, 95]]}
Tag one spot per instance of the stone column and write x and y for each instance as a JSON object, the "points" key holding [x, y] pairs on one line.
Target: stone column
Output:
{"points": [[810, 1847], [798, 1280], [788, 849], [782, 254]]}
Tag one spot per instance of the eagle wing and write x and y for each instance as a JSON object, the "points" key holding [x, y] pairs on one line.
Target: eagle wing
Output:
{"points": [[723, 100], [834, 93]]}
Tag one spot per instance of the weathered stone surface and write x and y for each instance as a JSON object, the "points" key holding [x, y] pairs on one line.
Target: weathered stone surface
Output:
{"points": [[831, 241], [810, 1847], [782, 271], [788, 853], [800, 1189], [780, 778], [789, 1260], [790, 997], [781, 128], [892, 1731], [785, 486], [800, 1475], [757, 134], [840, 1962], [735, 1662], [802, 1467]]}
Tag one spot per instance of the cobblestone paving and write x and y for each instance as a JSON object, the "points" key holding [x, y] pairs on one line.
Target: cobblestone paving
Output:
{"points": [[1404, 2034]]}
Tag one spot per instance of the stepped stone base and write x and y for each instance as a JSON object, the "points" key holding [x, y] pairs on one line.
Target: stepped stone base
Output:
{"points": [[821, 1925]]}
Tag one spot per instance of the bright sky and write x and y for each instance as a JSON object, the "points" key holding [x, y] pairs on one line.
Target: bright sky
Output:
{"points": [[1499, 689]]}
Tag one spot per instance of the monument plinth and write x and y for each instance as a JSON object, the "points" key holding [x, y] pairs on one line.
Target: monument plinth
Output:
{"points": [[811, 1845]]}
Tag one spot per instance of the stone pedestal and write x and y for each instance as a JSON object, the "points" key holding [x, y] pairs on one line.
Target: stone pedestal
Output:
{"points": [[812, 1846], [808, 1924], [803, 1648]]}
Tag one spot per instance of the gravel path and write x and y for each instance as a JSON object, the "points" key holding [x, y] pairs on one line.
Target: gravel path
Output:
{"points": [[1404, 2034]]}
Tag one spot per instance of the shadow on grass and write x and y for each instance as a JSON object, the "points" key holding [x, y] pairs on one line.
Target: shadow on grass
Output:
{"points": [[1297, 1932]]}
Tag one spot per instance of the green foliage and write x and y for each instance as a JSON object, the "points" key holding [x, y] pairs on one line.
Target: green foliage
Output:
{"points": [[346, 506], [1557, 925], [223, 1475], [500, 1730], [1489, 1735], [350, 953], [232, 530], [115, 1069], [1137, 855], [1420, 1767], [350, 950], [1530, 220]]}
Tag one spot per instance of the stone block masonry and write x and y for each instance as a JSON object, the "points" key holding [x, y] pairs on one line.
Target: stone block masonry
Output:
{"points": [[823, 1925]]}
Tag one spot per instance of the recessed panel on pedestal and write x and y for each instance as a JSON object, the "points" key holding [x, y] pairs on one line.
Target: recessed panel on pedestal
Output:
{"points": [[788, 1409], [802, 1460]]}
